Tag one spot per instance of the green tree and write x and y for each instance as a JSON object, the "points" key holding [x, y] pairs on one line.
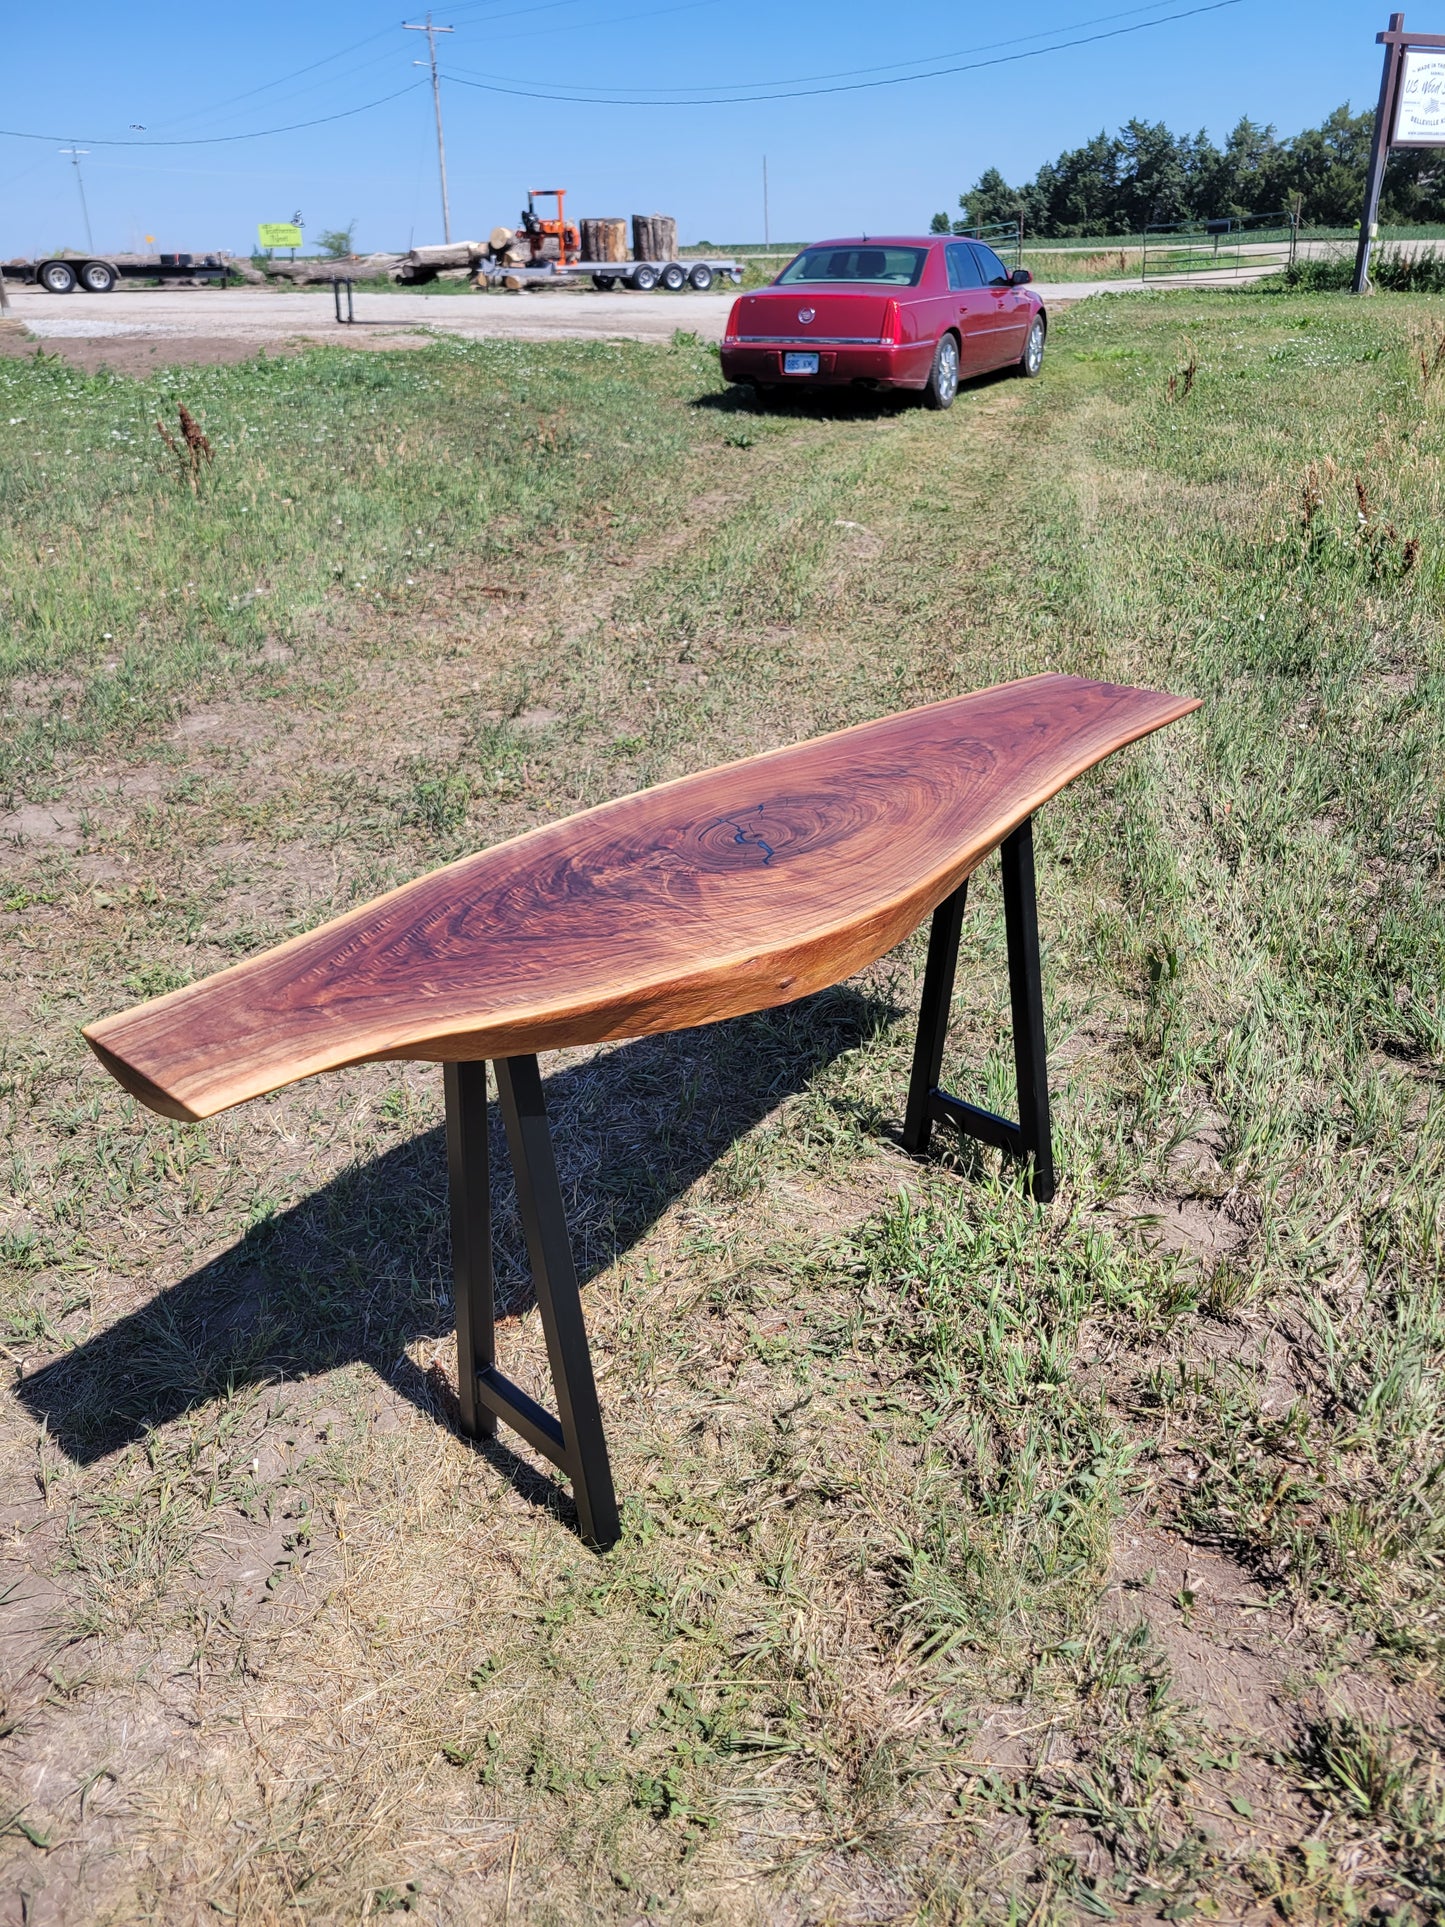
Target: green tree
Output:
{"points": [[337, 241], [1119, 183]]}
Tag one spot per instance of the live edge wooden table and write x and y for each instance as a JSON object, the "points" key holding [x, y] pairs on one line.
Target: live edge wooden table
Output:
{"points": [[741, 888]]}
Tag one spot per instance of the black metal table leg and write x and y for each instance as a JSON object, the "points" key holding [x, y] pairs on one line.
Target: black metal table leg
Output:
{"points": [[469, 1179], [933, 1012], [1030, 1139], [1026, 994], [574, 1439]]}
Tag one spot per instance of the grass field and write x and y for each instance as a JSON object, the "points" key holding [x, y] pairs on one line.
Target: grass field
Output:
{"points": [[982, 1563]]}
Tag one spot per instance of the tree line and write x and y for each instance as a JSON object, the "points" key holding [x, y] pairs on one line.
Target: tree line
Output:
{"points": [[1120, 183]]}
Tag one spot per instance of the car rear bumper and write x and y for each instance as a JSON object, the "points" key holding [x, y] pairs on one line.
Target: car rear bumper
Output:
{"points": [[876, 364]]}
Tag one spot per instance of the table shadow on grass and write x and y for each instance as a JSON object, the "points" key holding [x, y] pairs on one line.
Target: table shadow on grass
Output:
{"points": [[360, 1268]]}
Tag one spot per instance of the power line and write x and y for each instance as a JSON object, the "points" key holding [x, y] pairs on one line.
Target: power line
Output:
{"points": [[267, 86], [217, 140], [615, 20], [843, 73], [847, 87]]}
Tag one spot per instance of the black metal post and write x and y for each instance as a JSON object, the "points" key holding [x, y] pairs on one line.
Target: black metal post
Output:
{"points": [[469, 1179], [933, 1012], [544, 1221], [574, 1440], [1379, 152], [1026, 994], [337, 284], [1030, 1139]]}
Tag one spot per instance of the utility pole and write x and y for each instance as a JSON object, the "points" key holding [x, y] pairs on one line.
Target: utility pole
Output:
{"points": [[75, 154], [766, 236], [431, 33]]}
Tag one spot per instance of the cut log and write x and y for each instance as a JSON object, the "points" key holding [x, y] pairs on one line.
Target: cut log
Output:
{"points": [[654, 237], [604, 239], [424, 264]]}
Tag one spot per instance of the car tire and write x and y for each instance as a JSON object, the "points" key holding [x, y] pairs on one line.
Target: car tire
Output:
{"points": [[98, 277], [942, 383], [606, 282], [674, 277], [700, 278], [1030, 363], [643, 278], [57, 277]]}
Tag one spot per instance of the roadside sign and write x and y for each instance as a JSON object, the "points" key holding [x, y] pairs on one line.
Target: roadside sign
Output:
{"points": [[279, 234], [1411, 113], [1420, 121]]}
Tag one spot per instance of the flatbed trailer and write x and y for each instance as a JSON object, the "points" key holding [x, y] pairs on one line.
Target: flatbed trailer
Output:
{"points": [[641, 276], [101, 273]]}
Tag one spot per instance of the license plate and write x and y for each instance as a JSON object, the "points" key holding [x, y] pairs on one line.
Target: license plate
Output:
{"points": [[800, 364]]}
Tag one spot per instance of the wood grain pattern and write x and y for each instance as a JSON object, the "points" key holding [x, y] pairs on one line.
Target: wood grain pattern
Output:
{"points": [[744, 887]]}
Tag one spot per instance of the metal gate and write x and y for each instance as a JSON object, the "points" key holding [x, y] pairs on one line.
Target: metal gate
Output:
{"points": [[1238, 245], [1004, 237]]}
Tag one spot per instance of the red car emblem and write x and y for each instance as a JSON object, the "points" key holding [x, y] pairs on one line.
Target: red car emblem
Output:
{"points": [[805, 314]]}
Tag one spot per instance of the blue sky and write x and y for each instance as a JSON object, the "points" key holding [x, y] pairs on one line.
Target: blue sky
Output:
{"points": [[879, 158]]}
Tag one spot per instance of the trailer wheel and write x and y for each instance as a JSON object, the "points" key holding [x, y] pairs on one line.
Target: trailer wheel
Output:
{"points": [[604, 281], [644, 278], [700, 278], [57, 277], [99, 277], [674, 277]]}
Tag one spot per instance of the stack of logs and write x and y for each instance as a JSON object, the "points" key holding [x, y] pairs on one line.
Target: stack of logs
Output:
{"points": [[654, 238]]}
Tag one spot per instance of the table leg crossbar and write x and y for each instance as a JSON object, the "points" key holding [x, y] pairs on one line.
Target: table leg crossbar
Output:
{"points": [[574, 1439], [1030, 1140]]}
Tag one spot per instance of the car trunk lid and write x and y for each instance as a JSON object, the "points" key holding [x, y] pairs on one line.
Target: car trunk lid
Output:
{"points": [[775, 314]]}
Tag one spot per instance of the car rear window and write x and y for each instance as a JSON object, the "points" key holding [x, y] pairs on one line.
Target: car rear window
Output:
{"points": [[900, 266]]}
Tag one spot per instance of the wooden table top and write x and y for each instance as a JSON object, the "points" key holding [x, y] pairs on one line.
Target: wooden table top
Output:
{"points": [[743, 887]]}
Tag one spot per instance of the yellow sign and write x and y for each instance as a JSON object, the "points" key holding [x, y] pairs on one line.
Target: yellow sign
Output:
{"points": [[279, 234]]}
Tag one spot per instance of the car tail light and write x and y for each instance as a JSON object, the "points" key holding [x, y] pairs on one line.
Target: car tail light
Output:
{"points": [[730, 332], [892, 324]]}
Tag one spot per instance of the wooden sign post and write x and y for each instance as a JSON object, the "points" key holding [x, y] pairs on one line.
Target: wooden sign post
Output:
{"points": [[1411, 113]]}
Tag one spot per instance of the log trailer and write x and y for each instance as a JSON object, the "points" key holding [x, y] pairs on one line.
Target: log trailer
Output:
{"points": [[100, 273], [487, 267], [540, 252]]}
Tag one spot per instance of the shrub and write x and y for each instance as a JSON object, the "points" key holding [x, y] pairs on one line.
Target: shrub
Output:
{"points": [[1391, 269]]}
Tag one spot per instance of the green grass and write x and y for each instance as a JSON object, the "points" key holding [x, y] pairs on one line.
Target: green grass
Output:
{"points": [[982, 1562]]}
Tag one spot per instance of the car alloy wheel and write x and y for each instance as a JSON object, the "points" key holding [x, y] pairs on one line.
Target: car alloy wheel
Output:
{"points": [[674, 278], [98, 277], [1032, 359], [943, 376], [57, 277], [644, 279], [701, 277]]}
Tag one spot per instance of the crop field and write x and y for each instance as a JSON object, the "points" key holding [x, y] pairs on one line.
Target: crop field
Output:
{"points": [[982, 1563]]}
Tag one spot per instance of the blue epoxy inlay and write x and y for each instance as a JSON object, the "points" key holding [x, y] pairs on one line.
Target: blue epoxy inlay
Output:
{"points": [[745, 837]]}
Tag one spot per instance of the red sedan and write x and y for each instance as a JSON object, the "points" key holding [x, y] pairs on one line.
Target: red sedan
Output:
{"points": [[890, 312]]}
